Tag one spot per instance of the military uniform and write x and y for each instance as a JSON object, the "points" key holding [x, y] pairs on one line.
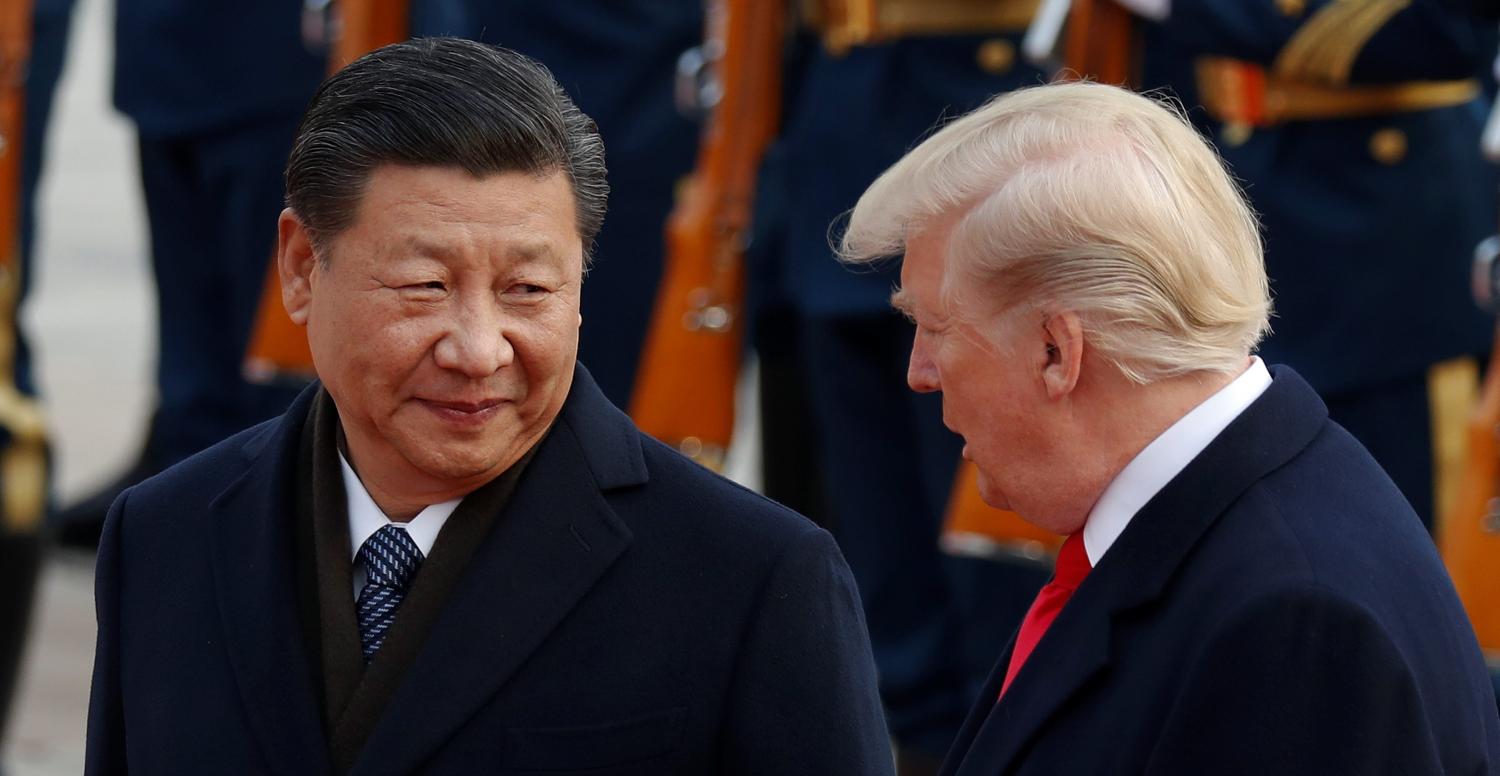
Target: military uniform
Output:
{"points": [[20, 541], [215, 88], [887, 462], [616, 60], [1355, 129]]}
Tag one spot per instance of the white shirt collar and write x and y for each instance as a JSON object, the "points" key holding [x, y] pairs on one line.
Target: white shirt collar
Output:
{"points": [[1166, 456], [365, 518]]}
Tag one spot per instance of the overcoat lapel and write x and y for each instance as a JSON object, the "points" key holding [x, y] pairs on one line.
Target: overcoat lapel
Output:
{"points": [[555, 539], [254, 579], [1136, 571]]}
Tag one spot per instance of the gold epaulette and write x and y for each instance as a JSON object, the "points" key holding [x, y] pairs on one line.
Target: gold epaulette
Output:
{"points": [[1324, 48], [1242, 93], [844, 24]]}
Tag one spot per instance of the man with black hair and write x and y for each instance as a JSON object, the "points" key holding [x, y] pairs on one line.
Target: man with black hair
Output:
{"points": [[454, 555]]}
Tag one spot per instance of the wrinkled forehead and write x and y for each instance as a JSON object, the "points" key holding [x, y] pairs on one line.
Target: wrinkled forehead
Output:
{"points": [[439, 210]]}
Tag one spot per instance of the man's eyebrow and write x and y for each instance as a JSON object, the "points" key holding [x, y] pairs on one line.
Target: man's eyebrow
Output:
{"points": [[424, 247], [538, 250], [523, 252]]}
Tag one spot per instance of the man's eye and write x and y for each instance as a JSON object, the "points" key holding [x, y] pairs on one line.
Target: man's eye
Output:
{"points": [[527, 289], [430, 285], [423, 291]]}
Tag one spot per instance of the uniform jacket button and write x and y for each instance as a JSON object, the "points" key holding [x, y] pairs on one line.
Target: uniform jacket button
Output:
{"points": [[996, 56], [1388, 146]]}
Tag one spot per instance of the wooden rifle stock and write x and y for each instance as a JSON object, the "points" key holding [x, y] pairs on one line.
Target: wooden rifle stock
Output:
{"points": [[1469, 536], [1100, 43], [278, 347], [366, 25], [684, 390], [15, 51]]}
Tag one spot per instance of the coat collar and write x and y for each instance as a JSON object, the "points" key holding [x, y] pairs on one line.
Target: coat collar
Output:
{"points": [[554, 541], [1136, 571]]}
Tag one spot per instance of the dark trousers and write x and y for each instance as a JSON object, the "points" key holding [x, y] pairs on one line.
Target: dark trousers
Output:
{"points": [[212, 202], [937, 622], [49, 47]]}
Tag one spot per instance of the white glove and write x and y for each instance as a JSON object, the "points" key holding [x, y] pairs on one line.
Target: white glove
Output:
{"points": [[1489, 140], [1155, 10]]}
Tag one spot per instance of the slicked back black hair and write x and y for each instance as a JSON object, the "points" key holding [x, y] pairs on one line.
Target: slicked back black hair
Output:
{"points": [[442, 102]]}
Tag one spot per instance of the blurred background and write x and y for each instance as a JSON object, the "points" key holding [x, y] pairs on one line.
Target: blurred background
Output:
{"points": [[91, 321], [150, 338]]}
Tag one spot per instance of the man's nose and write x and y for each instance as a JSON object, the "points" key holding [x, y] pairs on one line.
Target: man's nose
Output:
{"points": [[921, 373], [476, 342]]}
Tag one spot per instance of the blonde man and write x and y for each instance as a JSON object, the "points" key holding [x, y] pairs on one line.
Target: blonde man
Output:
{"points": [[1242, 589]]}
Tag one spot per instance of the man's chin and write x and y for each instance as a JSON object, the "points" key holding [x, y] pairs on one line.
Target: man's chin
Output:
{"points": [[991, 494], [460, 467]]}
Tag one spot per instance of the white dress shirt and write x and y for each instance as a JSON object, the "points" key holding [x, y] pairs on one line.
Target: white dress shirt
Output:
{"points": [[365, 518], [1167, 455]]}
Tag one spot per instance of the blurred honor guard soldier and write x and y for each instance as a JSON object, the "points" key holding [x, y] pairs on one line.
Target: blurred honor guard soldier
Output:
{"points": [[1242, 589], [1355, 127], [617, 58], [456, 555], [215, 88], [868, 80], [26, 88]]}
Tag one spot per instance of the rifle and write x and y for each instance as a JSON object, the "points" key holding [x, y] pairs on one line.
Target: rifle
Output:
{"points": [[278, 349], [684, 390], [15, 51], [23, 461], [1099, 44], [1469, 535], [365, 25]]}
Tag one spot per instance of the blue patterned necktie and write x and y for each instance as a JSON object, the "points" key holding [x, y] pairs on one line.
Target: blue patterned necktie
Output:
{"points": [[391, 559]]}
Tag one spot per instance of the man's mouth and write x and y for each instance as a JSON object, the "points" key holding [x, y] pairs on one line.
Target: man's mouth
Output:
{"points": [[472, 414], [469, 407]]}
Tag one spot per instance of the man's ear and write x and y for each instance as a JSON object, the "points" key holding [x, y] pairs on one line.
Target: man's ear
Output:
{"points": [[295, 261], [1062, 335]]}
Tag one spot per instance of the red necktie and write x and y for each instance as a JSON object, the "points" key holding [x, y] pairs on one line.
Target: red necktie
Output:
{"points": [[1072, 567]]}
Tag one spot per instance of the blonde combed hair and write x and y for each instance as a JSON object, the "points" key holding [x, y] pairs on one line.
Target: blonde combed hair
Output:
{"points": [[1090, 198]]}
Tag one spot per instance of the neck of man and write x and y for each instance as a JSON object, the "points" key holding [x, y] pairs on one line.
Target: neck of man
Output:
{"points": [[1118, 421], [402, 494]]}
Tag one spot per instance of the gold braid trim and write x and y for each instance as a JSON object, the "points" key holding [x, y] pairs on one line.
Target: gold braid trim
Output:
{"points": [[1292, 62], [1335, 60], [1324, 49], [23, 463]]}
